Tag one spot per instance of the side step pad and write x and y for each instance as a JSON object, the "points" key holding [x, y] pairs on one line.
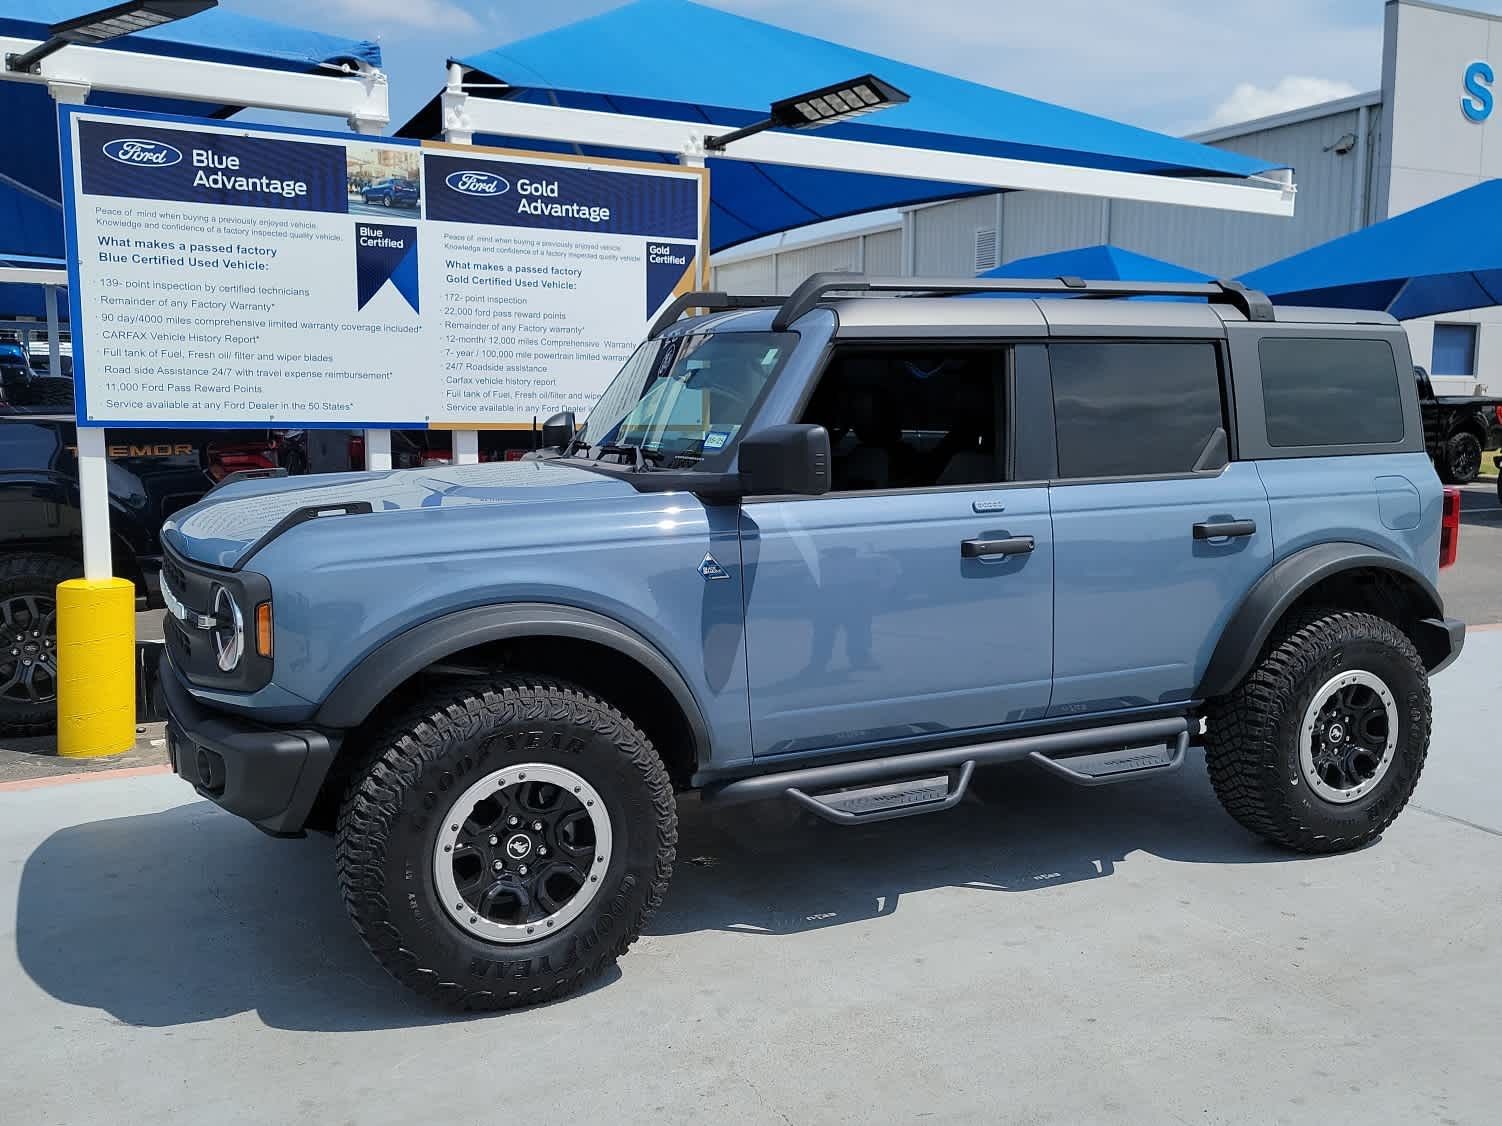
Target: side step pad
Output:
{"points": [[888, 801], [1123, 765]]}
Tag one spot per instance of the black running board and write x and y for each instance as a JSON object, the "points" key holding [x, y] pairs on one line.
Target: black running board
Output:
{"points": [[888, 801], [850, 793], [1104, 768]]}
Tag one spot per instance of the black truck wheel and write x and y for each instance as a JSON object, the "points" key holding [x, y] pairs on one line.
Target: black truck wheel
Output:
{"points": [[28, 641], [1461, 463], [506, 843], [1320, 747]]}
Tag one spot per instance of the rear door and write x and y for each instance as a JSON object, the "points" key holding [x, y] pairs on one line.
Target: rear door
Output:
{"points": [[1157, 535], [916, 599]]}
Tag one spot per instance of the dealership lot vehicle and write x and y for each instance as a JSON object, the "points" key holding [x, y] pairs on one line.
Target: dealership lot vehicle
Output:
{"points": [[153, 473], [1092, 529], [392, 192], [1458, 430]]}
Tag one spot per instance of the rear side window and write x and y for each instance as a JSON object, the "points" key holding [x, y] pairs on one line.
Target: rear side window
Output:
{"points": [[1330, 392], [1134, 408]]}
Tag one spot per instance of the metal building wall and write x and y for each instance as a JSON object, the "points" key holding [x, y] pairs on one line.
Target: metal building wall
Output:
{"points": [[884, 253], [1225, 243], [795, 265], [944, 236], [751, 275], [1042, 222]]}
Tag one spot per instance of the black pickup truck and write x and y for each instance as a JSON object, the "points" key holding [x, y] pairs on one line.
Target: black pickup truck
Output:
{"points": [[1458, 429], [152, 474]]}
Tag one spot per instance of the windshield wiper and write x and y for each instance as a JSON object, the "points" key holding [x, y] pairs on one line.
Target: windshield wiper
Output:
{"points": [[636, 453]]}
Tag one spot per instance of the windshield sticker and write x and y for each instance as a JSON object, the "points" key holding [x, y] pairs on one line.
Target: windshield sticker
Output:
{"points": [[715, 439]]}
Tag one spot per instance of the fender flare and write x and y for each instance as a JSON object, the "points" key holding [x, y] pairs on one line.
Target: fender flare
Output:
{"points": [[1278, 589], [401, 657]]}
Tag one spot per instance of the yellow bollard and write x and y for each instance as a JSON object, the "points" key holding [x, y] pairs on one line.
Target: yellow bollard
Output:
{"points": [[96, 667]]}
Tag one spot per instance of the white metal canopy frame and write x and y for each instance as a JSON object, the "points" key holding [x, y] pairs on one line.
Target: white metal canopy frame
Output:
{"points": [[465, 114], [357, 93]]}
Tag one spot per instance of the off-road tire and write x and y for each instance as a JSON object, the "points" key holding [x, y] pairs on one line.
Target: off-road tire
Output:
{"points": [[30, 573], [1462, 459], [397, 803], [1252, 736]]}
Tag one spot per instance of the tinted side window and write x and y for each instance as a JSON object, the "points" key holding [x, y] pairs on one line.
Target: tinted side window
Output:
{"points": [[1133, 408], [913, 417], [1330, 392]]}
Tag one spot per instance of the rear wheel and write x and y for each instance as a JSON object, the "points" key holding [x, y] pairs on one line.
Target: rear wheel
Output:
{"points": [[28, 641], [1462, 462], [1320, 747], [506, 844]]}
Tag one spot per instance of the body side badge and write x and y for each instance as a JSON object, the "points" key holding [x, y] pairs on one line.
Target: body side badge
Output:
{"points": [[710, 568]]}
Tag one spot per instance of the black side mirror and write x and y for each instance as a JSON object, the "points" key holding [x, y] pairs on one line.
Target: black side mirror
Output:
{"points": [[558, 431], [785, 460]]}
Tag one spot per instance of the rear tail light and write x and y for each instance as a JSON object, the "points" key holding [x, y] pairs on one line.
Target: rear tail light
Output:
{"points": [[1449, 528], [357, 453], [224, 460]]}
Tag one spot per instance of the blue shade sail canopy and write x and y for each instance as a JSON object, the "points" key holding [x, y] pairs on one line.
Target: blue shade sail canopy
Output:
{"points": [[677, 60], [1440, 258], [1097, 263], [217, 36]]}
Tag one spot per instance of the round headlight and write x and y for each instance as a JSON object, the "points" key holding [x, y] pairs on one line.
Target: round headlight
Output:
{"points": [[229, 633]]}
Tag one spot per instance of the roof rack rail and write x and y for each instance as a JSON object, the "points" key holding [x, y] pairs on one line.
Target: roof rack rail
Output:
{"points": [[714, 302], [1253, 305]]}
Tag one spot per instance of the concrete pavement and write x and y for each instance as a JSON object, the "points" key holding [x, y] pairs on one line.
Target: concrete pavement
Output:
{"points": [[1044, 954]]}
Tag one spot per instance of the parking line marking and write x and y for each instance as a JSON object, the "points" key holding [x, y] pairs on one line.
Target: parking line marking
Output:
{"points": [[84, 776]]}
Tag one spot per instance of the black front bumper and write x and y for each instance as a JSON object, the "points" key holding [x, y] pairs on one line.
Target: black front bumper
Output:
{"points": [[271, 776]]}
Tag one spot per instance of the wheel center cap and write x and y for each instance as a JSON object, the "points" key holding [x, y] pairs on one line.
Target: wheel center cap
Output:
{"points": [[31, 648], [1337, 732], [518, 846]]}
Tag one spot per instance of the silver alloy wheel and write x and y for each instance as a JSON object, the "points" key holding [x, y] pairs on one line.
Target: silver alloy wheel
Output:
{"points": [[522, 852], [1348, 737]]}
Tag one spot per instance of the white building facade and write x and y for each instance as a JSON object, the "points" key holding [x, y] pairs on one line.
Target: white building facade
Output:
{"points": [[1431, 130]]}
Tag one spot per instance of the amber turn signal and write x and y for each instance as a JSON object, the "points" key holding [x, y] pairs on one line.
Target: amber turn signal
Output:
{"points": [[263, 629]]}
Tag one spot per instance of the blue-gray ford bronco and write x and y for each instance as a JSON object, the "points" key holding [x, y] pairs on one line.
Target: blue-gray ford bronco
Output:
{"points": [[839, 548]]}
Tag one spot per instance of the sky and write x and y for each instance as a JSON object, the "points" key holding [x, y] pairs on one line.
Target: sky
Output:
{"points": [[1177, 66]]}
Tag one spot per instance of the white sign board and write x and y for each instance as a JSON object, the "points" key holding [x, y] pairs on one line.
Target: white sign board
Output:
{"points": [[226, 276]]}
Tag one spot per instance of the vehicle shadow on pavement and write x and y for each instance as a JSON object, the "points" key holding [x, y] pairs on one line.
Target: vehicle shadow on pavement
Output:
{"points": [[774, 869], [190, 915]]}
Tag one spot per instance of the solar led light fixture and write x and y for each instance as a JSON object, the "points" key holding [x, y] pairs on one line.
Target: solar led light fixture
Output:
{"points": [[107, 23], [824, 106]]}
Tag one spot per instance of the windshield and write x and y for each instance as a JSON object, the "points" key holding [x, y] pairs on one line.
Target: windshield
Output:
{"points": [[684, 398]]}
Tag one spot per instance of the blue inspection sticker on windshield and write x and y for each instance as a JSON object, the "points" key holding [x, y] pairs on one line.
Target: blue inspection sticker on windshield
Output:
{"points": [[716, 439]]}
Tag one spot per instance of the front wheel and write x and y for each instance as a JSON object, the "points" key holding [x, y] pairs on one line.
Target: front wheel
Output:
{"points": [[1320, 747], [506, 844]]}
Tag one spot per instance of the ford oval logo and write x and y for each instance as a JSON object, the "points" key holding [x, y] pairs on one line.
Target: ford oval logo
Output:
{"points": [[471, 182], [149, 154]]}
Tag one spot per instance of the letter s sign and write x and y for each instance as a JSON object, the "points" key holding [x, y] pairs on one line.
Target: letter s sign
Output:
{"points": [[1477, 103]]}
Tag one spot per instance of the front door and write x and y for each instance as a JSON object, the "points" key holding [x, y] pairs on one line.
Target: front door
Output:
{"points": [[914, 601]]}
